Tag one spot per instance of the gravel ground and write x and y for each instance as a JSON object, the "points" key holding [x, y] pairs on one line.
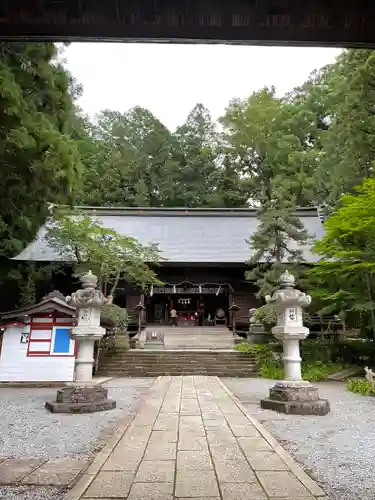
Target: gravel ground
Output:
{"points": [[337, 450], [31, 493], [28, 430]]}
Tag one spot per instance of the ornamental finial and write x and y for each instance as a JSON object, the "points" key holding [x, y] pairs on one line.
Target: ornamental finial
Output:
{"points": [[287, 280], [89, 280]]}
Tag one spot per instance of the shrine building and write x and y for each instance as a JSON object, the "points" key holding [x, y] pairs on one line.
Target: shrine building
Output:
{"points": [[205, 252]]}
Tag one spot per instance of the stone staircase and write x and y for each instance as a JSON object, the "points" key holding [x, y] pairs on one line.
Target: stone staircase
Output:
{"points": [[195, 338], [148, 363]]}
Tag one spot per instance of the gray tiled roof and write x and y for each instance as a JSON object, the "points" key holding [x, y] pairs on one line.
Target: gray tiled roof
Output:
{"points": [[183, 235]]}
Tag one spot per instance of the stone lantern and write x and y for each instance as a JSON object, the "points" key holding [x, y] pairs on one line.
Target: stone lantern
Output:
{"points": [[84, 395], [292, 395]]}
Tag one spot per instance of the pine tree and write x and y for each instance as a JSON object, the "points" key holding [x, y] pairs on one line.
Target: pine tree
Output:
{"points": [[276, 244]]}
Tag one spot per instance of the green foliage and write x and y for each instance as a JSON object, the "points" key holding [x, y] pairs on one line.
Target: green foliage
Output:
{"points": [[84, 241], [316, 365], [266, 315], [132, 159], [259, 351], [360, 386], [272, 369], [114, 316], [319, 370], [39, 158], [264, 135], [355, 351], [313, 372], [344, 277], [313, 351]]}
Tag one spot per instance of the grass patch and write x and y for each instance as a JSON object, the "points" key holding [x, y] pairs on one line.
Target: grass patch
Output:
{"points": [[360, 386]]}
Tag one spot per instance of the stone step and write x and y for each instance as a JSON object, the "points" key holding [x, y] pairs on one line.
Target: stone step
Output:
{"points": [[188, 338], [154, 363]]}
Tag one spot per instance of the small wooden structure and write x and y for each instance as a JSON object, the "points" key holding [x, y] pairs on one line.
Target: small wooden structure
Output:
{"points": [[35, 342]]}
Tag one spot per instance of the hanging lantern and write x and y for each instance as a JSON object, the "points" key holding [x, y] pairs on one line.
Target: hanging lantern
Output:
{"points": [[218, 290], [152, 290], [200, 288], [174, 289]]}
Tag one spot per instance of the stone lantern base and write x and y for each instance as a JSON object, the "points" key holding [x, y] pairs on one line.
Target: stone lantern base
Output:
{"points": [[295, 398], [81, 399]]}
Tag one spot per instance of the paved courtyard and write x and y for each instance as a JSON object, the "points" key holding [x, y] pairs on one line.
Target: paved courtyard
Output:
{"points": [[191, 439]]}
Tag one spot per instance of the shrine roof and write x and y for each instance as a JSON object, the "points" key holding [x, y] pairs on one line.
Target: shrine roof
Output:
{"points": [[46, 305], [184, 235]]}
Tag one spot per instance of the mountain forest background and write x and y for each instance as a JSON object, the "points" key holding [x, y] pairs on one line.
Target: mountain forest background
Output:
{"points": [[307, 148]]}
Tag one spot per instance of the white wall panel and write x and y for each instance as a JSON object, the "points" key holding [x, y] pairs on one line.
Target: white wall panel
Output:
{"points": [[16, 366]]}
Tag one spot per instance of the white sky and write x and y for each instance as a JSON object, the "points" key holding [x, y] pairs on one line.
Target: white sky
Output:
{"points": [[170, 79]]}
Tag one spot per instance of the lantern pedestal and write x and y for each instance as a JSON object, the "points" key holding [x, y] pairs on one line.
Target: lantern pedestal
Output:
{"points": [[295, 398], [81, 399]]}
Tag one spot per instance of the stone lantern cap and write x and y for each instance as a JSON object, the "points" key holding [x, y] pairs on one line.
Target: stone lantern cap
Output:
{"points": [[287, 280], [288, 295], [89, 280], [88, 296]]}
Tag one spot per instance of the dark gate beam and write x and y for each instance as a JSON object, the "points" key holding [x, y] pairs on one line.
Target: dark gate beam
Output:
{"points": [[267, 22]]}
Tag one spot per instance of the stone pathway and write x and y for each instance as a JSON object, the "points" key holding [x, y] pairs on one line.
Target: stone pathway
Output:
{"points": [[191, 439]]}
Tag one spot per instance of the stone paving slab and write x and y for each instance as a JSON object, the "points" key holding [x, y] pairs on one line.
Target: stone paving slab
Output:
{"points": [[192, 440], [13, 470], [56, 472]]}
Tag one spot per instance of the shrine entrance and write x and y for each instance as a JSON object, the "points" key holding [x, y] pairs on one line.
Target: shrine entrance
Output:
{"points": [[196, 305]]}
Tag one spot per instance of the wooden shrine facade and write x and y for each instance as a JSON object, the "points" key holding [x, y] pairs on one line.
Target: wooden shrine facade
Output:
{"points": [[199, 295]]}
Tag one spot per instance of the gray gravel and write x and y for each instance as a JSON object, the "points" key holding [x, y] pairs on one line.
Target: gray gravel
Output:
{"points": [[337, 450], [31, 493], [28, 430]]}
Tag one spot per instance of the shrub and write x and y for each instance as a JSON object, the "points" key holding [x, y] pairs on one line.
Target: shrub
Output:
{"points": [[355, 351], [114, 316], [360, 386], [267, 316], [253, 349], [313, 350], [315, 367]]}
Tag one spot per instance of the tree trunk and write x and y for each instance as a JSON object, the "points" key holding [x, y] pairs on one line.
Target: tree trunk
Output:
{"points": [[113, 289]]}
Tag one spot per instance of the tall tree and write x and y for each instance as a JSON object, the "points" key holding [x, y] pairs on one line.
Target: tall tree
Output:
{"points": [[134, 161], [268, 137], [39, 158], [264, 136], [198, 153], [349, 146]]}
